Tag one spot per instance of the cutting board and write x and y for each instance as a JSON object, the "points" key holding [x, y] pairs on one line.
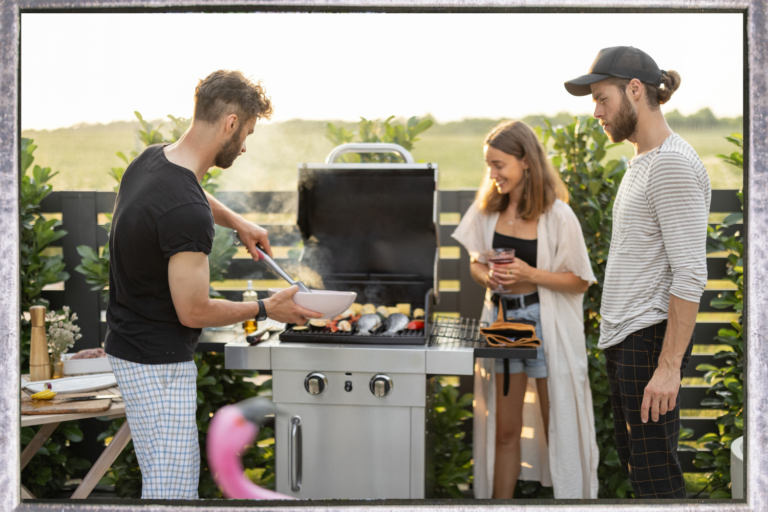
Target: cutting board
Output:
{"points": [[30, 406]]}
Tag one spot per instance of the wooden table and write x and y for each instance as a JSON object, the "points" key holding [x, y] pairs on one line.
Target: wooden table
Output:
{"points": [[51, 421]]}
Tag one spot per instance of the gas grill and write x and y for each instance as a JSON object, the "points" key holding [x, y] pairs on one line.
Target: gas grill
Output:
{"points": [[353, 412]]}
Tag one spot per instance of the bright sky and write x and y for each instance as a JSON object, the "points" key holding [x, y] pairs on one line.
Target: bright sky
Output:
{"points": [[98, 68]]}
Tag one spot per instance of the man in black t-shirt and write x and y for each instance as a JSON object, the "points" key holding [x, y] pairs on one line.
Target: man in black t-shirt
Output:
{"points": [[162, 233]]}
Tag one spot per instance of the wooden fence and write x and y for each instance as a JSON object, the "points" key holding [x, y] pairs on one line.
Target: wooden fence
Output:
{"points": [[458, 292]]}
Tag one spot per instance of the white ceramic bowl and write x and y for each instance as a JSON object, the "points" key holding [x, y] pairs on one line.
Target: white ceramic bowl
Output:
{"points": [[79, 366], [329, 303]]}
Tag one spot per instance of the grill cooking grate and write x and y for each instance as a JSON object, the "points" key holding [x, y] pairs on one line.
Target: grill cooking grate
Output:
{"points": [[377, 336], [378, 332], [459, 329]]}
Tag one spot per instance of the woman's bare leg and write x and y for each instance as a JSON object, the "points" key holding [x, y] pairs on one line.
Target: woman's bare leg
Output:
{"points": [[509, 425], [541, 387]]}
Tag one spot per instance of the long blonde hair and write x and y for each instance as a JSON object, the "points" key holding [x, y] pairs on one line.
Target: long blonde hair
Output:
{"points": [[542, 185]]}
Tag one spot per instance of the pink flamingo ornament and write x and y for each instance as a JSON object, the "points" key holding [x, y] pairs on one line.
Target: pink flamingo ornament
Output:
{"points": [[232, 428]]}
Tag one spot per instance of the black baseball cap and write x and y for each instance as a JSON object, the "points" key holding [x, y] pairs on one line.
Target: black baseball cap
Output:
{"points": [[618, 61]]}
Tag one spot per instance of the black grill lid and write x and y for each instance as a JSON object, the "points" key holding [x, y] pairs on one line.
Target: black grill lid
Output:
{"points": [[369, 219]]}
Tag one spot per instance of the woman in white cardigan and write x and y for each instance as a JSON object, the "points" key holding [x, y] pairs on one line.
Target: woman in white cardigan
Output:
{"points": [[543, 429]]}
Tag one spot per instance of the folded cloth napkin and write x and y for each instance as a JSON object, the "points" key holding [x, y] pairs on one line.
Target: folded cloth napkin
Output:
{"points": [[511, 332]]}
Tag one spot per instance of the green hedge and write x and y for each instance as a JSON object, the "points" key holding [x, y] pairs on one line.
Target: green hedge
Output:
{"points": [[727, 379]]}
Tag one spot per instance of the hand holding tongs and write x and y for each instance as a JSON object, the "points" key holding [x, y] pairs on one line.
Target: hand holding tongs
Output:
{"points": [[269, 261]]}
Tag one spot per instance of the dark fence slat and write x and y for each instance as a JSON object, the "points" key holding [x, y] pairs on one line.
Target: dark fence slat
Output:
{"points": [[730, 230], [242, 268], [78, 210], [449, 201], [449, 302], [105, 202], [472, 294], [445, 236], [262, 202], [716, 268], [696, 360], [283, 234], [725, 201], [449, 270], [51, 204], [102, 236], [686, 461], [700, 426], [55, 298], [706, 298], [691, 396], [705, 332]]}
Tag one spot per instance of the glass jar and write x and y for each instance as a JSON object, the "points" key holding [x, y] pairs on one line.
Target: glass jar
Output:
{"points": [[57, 369]]}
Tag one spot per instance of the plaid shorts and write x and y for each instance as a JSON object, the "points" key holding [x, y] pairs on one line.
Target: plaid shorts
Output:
{"points": [[648, 451], [160, 405]]}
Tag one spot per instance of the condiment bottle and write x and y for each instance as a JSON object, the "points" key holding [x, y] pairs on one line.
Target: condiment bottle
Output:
{"points": [[39, 361], [250, 295]]}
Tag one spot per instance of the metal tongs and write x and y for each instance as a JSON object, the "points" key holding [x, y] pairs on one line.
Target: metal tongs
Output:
{"points": [[269, 261]]}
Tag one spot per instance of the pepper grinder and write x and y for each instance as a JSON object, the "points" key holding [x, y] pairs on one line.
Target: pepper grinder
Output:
{"points": [[39, 361]]}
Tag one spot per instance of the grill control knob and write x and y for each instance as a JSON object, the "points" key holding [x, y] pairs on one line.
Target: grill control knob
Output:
{"points": [[315, 383], [381, 385]]}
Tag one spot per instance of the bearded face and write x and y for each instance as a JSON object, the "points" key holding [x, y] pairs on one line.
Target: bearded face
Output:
{"points": [[230, 150], [623, 124]]}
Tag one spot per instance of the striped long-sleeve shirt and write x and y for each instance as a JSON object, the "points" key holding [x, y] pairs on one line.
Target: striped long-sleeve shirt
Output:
{"points": [[658, 246]]}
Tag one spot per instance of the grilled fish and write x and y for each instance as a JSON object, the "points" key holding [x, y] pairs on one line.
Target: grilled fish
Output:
{"points": [[367, 323], [395, 323]]}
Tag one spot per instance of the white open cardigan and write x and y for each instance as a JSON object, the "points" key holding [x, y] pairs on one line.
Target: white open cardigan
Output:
{"points": [[569, 463]]}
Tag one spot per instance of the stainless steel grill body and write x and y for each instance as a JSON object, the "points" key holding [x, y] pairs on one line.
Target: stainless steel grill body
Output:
{"points": [[349, 442]]}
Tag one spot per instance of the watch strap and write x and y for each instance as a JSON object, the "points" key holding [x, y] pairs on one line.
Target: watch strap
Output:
{"points": [[262, 311]]}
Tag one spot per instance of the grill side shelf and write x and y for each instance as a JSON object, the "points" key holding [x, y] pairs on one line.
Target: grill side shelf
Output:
{"points": [[452, 332]]}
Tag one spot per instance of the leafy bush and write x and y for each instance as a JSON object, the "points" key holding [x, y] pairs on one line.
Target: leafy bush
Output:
{"points": [[53, 464], [452, 455], [727, 381], [36, 233], [578, 153], [376, 131]]}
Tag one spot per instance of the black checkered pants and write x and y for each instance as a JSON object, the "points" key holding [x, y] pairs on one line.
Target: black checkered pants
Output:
{"points": [[648, 451]]}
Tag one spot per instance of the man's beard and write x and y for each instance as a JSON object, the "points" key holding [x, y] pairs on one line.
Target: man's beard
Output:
{"points": [[230, 150], [624, 124]]}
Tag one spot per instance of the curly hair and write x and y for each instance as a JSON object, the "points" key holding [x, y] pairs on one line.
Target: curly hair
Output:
{"points": [[227, 92]]}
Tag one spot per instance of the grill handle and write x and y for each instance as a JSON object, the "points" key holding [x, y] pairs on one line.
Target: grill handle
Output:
{"points": [[295, 455], [369, 147]]}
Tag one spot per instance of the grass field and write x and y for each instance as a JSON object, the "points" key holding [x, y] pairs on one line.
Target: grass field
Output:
{"points": [[83, 155]]}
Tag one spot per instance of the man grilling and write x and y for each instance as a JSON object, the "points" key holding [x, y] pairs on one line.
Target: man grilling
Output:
{"points": [[656, 269], [162, 233]]}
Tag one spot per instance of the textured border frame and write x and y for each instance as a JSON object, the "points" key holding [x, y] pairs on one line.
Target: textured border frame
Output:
{"points": [[756, 218]]}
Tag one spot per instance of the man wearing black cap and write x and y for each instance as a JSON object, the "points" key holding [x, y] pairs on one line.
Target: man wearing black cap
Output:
{"points": [[656, 270]]}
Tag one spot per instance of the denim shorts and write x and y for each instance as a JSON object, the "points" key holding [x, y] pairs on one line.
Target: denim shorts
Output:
{"points": [[534, 368]]}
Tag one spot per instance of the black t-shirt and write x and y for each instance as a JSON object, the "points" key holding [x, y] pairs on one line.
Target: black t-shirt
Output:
{"points": [[160, 210], [526, 250]]}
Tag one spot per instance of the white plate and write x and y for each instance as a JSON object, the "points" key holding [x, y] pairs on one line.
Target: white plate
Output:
{"points": [[75, 384]]}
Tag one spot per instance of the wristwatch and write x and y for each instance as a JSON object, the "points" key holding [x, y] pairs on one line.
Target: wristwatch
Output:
{"points": [[262, 311]]}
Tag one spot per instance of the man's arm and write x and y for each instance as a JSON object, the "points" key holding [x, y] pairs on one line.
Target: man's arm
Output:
{"points": [[661, 392], [249, 233], [188, 279]]}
